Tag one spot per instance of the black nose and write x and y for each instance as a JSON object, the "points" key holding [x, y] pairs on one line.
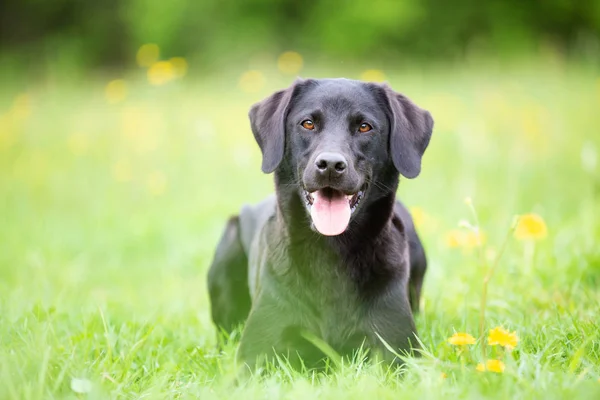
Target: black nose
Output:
{"points": [[333, 163]]}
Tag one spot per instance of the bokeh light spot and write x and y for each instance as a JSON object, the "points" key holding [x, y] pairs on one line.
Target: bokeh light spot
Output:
{"points": [[21, 107], [252, 81], [180, 66], [7, 137], [147, 55], [589, 157], [290, 62], [160, 73], [372, 75], [116, 91]]}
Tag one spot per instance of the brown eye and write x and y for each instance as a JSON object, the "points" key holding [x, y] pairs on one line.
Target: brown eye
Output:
{"points": [[308, 124], [363, 128]]}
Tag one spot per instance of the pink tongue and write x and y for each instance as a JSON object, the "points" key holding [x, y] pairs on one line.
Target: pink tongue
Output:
{"points": [[330, 214]]}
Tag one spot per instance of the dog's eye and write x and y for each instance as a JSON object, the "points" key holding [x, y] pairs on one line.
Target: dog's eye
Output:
{"points": [[364, 127], [308, 124]]}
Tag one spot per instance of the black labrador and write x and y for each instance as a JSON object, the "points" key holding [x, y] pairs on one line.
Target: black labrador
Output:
{"points": [[332, 253]]}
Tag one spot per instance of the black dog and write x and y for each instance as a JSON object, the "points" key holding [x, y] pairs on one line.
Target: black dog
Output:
{"points": [[333, 253]]}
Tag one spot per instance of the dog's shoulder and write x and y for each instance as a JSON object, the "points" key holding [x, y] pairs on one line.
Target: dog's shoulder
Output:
{"points": [[403, 215], [252, 219]]}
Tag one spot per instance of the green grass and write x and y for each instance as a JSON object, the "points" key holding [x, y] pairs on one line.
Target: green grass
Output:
{"points": [[109, 215]]}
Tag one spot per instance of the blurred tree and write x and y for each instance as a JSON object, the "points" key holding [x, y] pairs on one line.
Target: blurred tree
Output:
{"points": [[99, 33]]}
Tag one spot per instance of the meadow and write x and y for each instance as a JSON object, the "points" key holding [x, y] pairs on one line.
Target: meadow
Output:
{"points": [[114, 190]]}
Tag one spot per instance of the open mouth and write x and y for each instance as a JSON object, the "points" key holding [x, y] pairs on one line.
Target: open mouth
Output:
{"points": [[331, 209], [353, 199]]}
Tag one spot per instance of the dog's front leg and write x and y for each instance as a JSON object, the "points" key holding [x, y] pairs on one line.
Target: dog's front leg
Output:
{"points": [[392, 325], [266, 332]]}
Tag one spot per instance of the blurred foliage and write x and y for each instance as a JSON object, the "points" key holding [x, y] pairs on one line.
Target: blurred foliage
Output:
{"points": [[92, 33]]}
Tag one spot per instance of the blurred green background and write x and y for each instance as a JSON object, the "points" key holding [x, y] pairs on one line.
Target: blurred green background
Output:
{"points": [[125, 145], [214, 33]]}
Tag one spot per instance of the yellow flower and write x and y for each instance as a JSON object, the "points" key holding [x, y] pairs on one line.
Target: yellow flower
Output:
{"points": [[373, 75], [116, 91], [418, 215], [491, 365], [474, 239], [502, 337], [444, 375], [290, 62], [147, 55], [252, 81], [467, 239], [531, 227], [461, 339], [160, 73], [454, 238]]}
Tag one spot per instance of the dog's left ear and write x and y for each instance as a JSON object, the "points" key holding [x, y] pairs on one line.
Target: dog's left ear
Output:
{"points": [[267, 119], [410, 132]]}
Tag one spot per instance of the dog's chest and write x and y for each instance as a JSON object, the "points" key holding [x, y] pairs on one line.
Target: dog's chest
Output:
{"points": [[328, 299]]}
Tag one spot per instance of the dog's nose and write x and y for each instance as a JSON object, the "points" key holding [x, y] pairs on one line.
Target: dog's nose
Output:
{"points": [[332, 163]]}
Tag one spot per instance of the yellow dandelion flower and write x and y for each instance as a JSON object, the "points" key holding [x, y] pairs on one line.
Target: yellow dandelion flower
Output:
{"points": [[466, 239], [252, 81], [461, 339], [474, 239], [419, 216], [444, 375], [161, 72], [531, 227], [147, 55], [454, 238], [290, 62], [156, 183], [502, 337], [491, 365], [180, 66], [116, 91], [373, 75]]}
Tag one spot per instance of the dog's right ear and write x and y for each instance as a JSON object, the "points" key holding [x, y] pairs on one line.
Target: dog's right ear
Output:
{"points": [[267, 119]]}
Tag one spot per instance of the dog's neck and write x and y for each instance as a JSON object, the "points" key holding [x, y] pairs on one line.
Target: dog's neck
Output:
{"points": [[372, 220]]}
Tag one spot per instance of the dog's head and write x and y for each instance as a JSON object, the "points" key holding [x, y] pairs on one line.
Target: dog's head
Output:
{"points": [[341, 141]]}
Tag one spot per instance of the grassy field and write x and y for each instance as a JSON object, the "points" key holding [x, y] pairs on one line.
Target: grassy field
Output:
{"points": [[111, 205]]}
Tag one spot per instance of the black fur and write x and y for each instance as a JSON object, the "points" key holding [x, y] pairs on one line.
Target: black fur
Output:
{"points": [[275, 270]]}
